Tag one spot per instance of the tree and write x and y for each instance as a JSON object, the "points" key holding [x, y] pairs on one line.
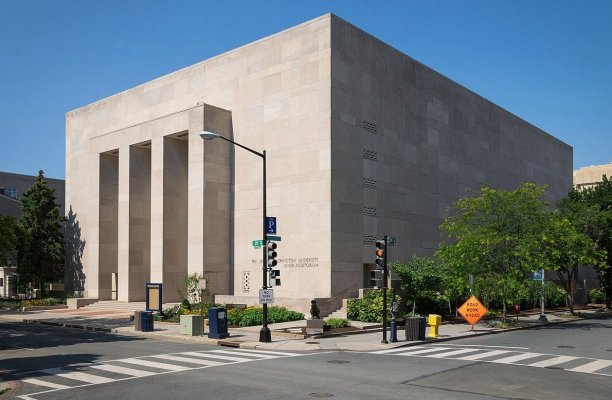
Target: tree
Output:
{"points": [[590, 211], [565, 249], [191, 291], [8, 239], [496, 236], [40, 257], [421, 281]]}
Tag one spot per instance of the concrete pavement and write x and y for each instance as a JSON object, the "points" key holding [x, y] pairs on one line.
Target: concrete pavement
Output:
{"points": [[286, 336]]}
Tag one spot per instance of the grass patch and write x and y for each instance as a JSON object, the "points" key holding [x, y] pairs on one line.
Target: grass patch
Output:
{"points": [[509, 323]]}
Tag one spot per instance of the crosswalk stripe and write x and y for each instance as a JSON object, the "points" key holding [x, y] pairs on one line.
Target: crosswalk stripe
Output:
{"points": [[147, 363], [397, 350], [198, 361], [77, 376], [38, 382], [276, 353], [208, 355], [518, 357], [123, 370], [552, 361], [244, 354], [89, 378], [452, 353], [424, 351], [592, 366], [475, 357]]}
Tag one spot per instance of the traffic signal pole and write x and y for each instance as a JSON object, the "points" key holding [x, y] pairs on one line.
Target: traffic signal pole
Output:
{"points": [[265, 335]]}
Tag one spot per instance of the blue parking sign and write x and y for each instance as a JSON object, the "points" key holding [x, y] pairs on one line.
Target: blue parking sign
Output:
{"points": [[271, 225]]}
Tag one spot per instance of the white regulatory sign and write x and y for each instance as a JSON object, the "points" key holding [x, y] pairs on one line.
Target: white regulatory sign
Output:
{"points": [[266, 296]]}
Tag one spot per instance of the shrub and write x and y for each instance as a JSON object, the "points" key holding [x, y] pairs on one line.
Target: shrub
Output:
{"points": [[47, 301], [597, 296], [252, 316], [335, 323], [369, 308]]}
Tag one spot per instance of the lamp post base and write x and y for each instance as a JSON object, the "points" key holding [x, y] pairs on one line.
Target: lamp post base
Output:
{"points": [[265, 336], [542, 318]]}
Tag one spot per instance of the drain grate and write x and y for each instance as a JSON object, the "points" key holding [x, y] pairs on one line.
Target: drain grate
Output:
{"points": [[566, 347], [321, 395], [339, 362], [312, 342]]}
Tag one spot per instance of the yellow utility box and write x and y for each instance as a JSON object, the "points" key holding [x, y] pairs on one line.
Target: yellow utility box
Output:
{"points": [[434, 321]]}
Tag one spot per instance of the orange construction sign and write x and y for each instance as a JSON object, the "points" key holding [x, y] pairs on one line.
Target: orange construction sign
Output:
{"points": [[472, 310]]}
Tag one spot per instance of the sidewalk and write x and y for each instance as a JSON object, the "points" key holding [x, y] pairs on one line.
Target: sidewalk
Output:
{"points": [[367, 338]]}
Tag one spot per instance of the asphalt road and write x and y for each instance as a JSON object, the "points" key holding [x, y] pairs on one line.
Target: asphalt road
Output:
{"points": [[569, 361]]}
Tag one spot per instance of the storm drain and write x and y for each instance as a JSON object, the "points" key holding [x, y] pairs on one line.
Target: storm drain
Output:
{"points": [[338, 362], [566, 347], [321, 395]]}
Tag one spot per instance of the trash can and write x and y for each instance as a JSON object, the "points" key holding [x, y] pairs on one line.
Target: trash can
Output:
{"points": [[143, 321], [217, 323], [415, 328]]}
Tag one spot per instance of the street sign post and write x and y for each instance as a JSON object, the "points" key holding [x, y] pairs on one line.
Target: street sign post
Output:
{"points": [[266, 296]]}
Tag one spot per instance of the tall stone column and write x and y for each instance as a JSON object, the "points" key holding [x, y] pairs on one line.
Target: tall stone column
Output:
{"points": [[134, 222], [108, 220], [210, 198]]}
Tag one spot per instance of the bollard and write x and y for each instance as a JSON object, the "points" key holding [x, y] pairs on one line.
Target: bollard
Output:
{"points": [[393, 332]]}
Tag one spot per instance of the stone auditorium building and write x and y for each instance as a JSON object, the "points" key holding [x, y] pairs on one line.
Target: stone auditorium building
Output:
{"points": [[361, 141]]}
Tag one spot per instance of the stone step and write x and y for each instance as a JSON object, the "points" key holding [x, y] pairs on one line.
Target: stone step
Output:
{"points": [[120, 306]]}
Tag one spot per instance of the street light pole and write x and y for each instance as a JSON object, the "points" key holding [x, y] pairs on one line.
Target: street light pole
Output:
{"points": [[264, 334]]}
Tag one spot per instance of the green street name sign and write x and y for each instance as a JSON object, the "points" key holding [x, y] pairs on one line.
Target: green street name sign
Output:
{"points": [[258, 243]]}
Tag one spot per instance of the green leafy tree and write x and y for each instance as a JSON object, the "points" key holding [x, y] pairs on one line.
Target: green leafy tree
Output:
{"points": [[8, 239], [422, 281], [590, 211], [565, 248], [191, 291], [496, 236], [40, 256]]}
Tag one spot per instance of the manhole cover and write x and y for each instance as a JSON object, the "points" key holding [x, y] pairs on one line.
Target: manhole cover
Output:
{"points": [[566, 347], [338, 362], [312, 342], [321, 395]]}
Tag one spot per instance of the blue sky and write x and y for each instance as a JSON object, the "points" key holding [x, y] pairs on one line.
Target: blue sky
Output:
{"points": [[549, 62]]}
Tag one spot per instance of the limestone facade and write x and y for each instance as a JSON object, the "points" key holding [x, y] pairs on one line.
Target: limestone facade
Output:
{"points": [[361, 141], [588, 176]]}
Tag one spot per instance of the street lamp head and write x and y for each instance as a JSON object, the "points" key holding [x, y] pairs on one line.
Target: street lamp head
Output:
{"points": [[206, 135]]}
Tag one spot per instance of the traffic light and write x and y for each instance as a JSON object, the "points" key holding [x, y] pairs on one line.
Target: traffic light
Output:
{"points": [[272, 255], [275, 277], [381, 260]]}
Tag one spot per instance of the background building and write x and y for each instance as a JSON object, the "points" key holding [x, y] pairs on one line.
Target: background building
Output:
{"points": [[12, 186], [361, 141], [589, 176]]}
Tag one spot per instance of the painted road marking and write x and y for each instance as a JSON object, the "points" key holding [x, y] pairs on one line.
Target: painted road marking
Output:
{"points": [[452, 353], [39, 382], [191, 360], [484, 355], [552, 361], [518, 357], [153, 364], [590, 366], [199, 360], [123, 370]]}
